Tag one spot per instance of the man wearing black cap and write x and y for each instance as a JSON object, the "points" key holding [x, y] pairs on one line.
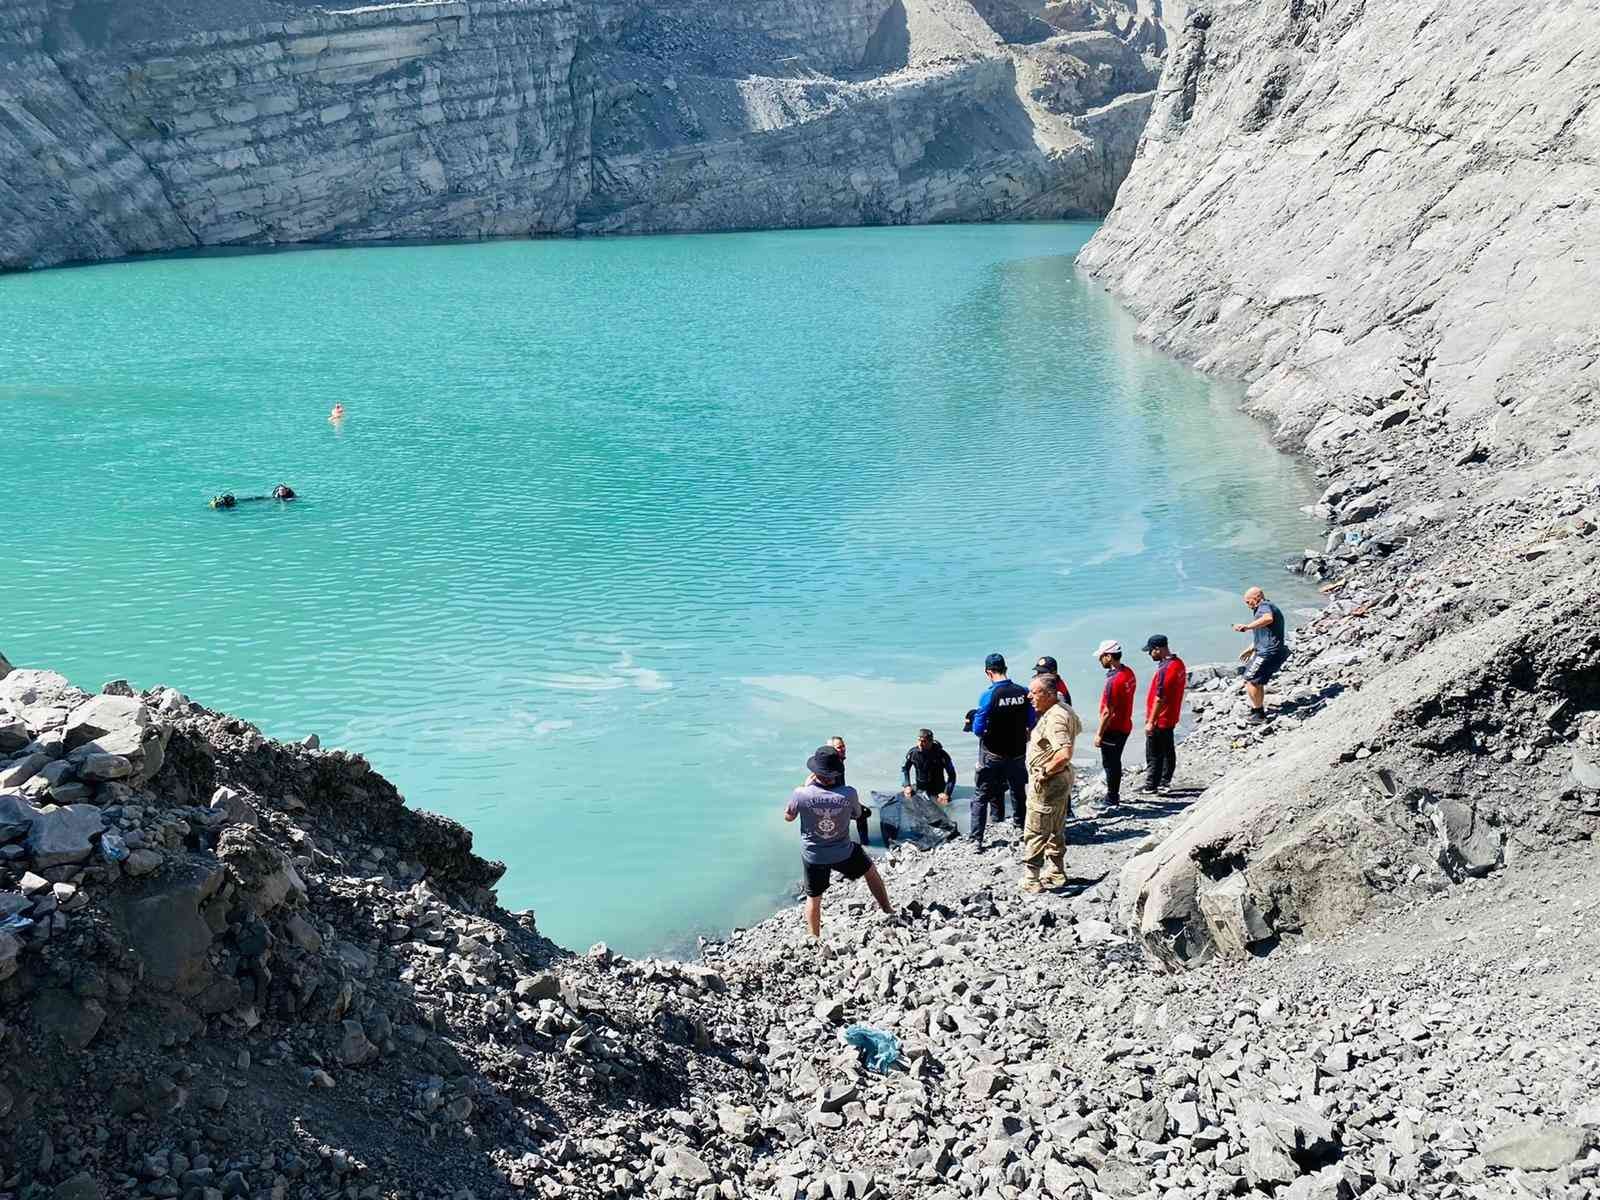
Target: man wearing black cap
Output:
{"points": [[825, 807], [1163, 705], [1002, 721], [1045, 665]]}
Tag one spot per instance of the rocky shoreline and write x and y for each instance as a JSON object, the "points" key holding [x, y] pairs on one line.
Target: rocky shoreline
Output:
{"points": [[246, 968], [238, 967], [1303, 216], [1358, 963]]}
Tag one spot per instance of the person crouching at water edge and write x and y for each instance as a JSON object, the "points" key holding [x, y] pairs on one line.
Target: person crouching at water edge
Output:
{"points": [[1049, 785], [935, 771], [825, 807]]}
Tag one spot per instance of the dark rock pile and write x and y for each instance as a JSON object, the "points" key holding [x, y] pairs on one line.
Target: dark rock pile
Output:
{"points": [[234, 967], [243, 968]]}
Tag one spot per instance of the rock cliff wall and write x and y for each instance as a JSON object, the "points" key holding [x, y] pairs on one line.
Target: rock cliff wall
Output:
{"points": [[1354, 202], [1382, 215], [152, 126]]}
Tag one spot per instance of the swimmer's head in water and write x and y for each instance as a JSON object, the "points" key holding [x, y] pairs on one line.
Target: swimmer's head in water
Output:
{"points": [[283, 492], [225, 500], [338, 411]]}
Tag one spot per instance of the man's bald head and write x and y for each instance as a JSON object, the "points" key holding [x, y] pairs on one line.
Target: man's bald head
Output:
{"points": [[1254, 597]]}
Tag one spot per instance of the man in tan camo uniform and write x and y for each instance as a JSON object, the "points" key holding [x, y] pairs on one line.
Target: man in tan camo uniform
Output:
{"points": [[1049, 785]]}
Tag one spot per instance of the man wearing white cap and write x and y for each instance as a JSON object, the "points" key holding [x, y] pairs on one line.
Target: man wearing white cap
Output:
{"points": [[1116, 716]]}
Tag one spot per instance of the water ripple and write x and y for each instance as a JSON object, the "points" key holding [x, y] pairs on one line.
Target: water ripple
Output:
{"points": [[614, 533]]}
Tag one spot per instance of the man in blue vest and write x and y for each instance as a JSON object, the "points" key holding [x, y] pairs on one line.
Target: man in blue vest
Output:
{"points": [[1002, 721]]}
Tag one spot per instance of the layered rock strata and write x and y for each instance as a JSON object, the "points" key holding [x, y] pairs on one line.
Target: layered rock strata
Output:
{"points": [[1382, 217], [143, 127]]}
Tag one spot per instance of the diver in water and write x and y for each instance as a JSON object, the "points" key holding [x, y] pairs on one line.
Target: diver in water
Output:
{"points": [[228, 500]]}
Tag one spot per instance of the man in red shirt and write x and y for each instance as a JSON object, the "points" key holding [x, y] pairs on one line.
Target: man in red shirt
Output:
{"points": [[1116, 716], [1163, 705]]}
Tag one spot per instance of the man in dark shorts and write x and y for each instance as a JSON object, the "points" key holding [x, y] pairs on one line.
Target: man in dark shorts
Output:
{"points": [[825, 808], [1268, 653]]}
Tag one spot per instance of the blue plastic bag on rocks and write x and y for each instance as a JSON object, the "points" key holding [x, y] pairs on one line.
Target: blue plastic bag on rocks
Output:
{"points": [[880, 1050]]}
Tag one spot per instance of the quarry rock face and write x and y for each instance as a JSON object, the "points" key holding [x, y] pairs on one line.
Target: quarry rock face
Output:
{"points": [[153, 127], [1361, 207], [1381, 216]]}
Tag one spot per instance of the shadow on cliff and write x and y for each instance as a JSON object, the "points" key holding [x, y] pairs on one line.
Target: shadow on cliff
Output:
{"points": [[889, 47]]}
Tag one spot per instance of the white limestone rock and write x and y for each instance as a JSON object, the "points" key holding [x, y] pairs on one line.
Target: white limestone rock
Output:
{"points": [[787, 113]]}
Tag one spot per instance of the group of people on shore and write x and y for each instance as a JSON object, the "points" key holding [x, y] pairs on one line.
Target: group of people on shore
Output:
{"points": [[1026, 740]]}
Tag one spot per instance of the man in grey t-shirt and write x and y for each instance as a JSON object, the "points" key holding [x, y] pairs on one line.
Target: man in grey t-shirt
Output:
{"points": [[825, 808], [1268, 652]]}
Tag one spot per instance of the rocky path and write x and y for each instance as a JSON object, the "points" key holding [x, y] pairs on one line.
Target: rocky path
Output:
{"points": [[238, 968], [1438, 1054]]}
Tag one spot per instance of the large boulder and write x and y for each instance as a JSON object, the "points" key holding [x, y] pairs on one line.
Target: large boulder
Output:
{"points": [[74, 1019], [1284, 1141], [166, 927], [1468, 844], [1288, 842], [16, 818], [103, 715], [127, 741], [111, 727], [1538, 1148], [42, 699], [82, 1186], [1235, 922], [60, 835], [19, 770], [102, 768], [238, 810], [14, 734], [263, 874], [19, 688], [354, 1046]]}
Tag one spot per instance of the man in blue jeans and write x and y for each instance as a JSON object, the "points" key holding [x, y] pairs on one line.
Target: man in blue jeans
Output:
{"points": [[1002, 721]]}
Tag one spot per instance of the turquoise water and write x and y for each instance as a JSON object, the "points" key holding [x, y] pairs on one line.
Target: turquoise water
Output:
{"points": [[615, 532]]}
